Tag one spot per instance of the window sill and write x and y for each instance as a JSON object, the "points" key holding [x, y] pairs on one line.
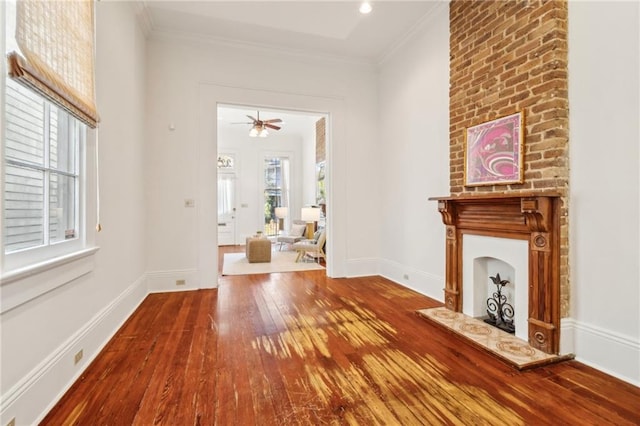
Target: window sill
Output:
{"points": [[24, 284]]}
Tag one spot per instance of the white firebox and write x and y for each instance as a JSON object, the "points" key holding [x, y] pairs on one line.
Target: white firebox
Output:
{"points": [[484, 257]]}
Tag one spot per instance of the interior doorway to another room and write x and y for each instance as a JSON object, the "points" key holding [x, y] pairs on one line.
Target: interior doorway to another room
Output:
{"points": [[266, 178]]}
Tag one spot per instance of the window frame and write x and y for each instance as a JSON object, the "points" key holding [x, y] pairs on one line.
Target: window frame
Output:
{"points": [[33, 259]]}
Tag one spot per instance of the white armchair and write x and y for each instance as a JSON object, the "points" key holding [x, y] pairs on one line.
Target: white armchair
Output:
{"points": [[314, 247], [295, 234]]}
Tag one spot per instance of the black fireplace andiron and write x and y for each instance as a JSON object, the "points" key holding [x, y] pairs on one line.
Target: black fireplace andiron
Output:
{"points": [[499, 311]]}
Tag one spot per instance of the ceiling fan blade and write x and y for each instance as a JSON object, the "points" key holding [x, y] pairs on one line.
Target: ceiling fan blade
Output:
{"points": [[242, 122], [273, 120], [271, 126], [252, 119]]}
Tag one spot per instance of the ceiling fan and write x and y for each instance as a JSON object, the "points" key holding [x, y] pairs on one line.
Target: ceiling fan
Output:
{"points": [[259, 127]]}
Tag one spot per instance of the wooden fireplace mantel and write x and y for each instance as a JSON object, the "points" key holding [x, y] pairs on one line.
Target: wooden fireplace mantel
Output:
{"points": [[526, 216]]}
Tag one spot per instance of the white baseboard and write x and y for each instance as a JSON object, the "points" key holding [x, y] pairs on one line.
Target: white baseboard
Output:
{"points": [[567, 336], [423, 282], [166, 281], [30, 399], [602, 349], [428, 284], [361, 267]]}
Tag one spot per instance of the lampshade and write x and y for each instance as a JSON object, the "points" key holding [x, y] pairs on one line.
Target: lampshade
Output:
{"points": [[282, 212], [310, 214], [253, 132], [263, 133]]}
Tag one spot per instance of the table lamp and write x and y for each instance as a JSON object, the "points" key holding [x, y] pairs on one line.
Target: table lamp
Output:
{"points": [[281, 214], [310, 215]]}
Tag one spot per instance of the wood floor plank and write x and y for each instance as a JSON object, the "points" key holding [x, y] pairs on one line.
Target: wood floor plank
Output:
{"points": [[146, 342], [301, 348], [204, 367], [238, 406], [157, 397]]}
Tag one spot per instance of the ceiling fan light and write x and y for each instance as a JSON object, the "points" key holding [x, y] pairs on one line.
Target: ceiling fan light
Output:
{"points": [[365, 7], [263, 133], [253, 132]]}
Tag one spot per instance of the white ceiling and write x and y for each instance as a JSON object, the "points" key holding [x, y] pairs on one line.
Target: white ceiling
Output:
{"points": [[323, 28]]}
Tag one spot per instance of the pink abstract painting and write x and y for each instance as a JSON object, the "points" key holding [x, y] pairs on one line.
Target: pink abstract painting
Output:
{"points": [[493, 152]]}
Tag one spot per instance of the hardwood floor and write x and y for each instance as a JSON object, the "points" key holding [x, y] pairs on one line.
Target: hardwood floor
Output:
{"points": [[300, 348]]}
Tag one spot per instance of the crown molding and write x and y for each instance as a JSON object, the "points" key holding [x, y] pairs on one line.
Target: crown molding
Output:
{"points": [[261, 48], [413, 32]]}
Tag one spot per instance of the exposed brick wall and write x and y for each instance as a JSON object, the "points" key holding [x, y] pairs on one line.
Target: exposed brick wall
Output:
{"points": [[321, 145], [510, 56]]}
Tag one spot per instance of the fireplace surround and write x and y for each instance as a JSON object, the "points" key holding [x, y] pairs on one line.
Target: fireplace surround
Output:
{"points": [[533, 217]]}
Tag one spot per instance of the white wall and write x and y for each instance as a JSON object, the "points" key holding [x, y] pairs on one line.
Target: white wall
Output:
{"points": [[40, 337], [604, 103], [186, 80], [414, 145]]}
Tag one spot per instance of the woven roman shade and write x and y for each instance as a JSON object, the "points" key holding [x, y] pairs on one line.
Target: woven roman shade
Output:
{"points": [[56, 59]]}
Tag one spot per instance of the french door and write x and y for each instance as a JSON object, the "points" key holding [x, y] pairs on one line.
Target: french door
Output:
{"points": [[276, 190], [226, 209]]}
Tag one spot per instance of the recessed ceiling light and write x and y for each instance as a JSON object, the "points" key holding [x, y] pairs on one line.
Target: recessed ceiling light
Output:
{"points": [[365, 7]]}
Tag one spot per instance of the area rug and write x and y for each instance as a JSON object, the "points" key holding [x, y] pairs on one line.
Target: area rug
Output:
{"points": [[505, 346], [281, 261]]}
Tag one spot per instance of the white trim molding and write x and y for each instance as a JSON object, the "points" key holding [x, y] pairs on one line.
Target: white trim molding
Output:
{"points": [[29, 400], [602, 349], [25, 284], [567, 336], [362, 267], [423, 282], [424, 24], [167, 281]]}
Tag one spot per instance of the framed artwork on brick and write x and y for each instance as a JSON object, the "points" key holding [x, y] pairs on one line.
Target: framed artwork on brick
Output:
{"points": [[493, 152]]}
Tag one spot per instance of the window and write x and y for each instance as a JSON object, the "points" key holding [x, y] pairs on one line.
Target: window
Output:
{"points": [[48, 93], [42, 196]]}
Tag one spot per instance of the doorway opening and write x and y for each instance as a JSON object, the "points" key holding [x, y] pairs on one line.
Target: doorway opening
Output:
{"points": [[264, 181]]}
